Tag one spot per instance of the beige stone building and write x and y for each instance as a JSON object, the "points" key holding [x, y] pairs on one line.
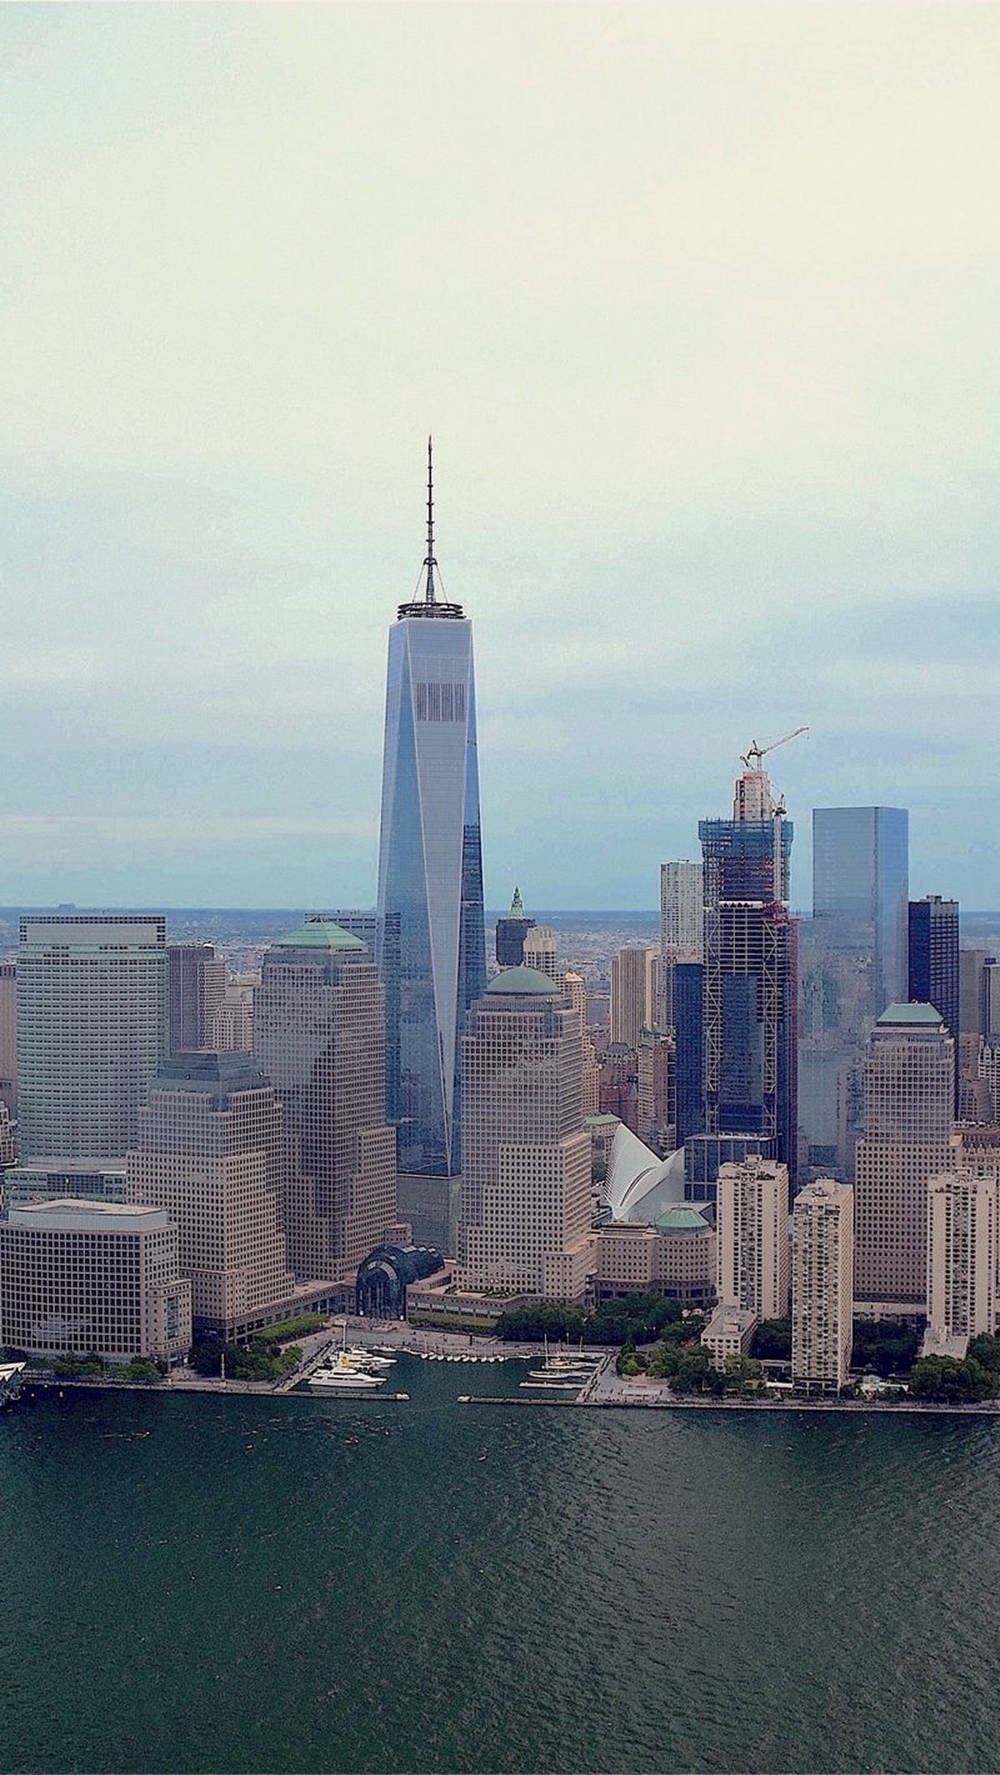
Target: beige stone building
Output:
{"points": [[729, 1332], [752, 1231], [83, 1278], [211, 1151], [909, 1085], [319, 1034], [525, 1219], [540, 951], [231, 1030], [575, 988], [634, 983], [8, 1035], [675, 1256], [822, 1286], [961, 1254]]}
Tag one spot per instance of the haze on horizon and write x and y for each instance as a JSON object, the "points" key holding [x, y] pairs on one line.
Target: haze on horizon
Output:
{"points": [[700, 303]]}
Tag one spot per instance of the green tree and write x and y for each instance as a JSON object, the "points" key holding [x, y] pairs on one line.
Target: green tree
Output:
{"points": [[739, 1371], [947, 1381], [772, 1341], [986, 1351]]}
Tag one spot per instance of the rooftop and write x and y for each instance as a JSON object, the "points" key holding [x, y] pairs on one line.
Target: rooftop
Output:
{"points": [[320, 933], [912, 1014], [523, 983], [681, 1219]]}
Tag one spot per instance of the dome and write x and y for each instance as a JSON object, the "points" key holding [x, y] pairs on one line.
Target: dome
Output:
{"points": [[681, 1219], [320, 933], [529, 982]]}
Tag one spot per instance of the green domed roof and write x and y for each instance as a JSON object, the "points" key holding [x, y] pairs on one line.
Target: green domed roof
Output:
{"points": [[526, 982], [681, 1220], [320, 933]]}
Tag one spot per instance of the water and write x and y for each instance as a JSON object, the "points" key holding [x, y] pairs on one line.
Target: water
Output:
{"points": [[193, 1583]]}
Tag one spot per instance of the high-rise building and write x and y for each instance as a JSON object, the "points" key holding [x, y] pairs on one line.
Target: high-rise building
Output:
{"points": [[540, 951], [231, 1029], [933, 961], [822, 1286], [634, 982], [526, 1155], [511, 932], [8, 1035], [688, 993], [430, 865], [961, 1255], [751, 981], [211, 1151], [655, 1089], [853, 962], [91, 1030], [319, 1034], [972, 1007], [681, 912], [909, 1083], [196, 986], [88, 1278], [382, 939], [752, 1227]]}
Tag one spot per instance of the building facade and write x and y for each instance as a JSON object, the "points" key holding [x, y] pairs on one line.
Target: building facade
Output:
{"points": [[634, 984], [822, 1286], [211, 1151], [319, 1036], [933, 962], [909, 1097], [8, 1036], [681, 912], [526, 1181], [196, 987], [83, 1278], [511, 932], [430, 868], [962, 1253], [752, 1232], [91, 1030]]}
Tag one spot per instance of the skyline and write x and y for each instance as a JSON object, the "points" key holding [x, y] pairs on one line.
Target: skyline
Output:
{"points": [[698, 304]]}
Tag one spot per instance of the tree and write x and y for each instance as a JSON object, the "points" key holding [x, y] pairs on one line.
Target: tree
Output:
{"points": [[772, 1341], [986, 1351], [946, 1381], [739, 1371]]}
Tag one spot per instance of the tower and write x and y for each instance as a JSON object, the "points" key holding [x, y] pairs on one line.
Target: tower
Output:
{"points": [[822, 1286], [319, 1034], [634, 982], [752, 1226], [933, 961], [196, 987], [430, 864], [511, 932], [751, 980], [91, 1030]]}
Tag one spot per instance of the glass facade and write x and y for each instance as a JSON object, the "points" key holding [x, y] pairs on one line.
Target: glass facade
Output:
{"points": [[430, 876]]}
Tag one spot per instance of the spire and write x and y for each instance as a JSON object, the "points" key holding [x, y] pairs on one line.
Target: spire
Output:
{"points": [[517, 905], [429, 561]]}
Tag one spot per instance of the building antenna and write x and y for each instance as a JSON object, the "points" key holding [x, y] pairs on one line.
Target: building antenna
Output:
{"points": [[429, 561]]}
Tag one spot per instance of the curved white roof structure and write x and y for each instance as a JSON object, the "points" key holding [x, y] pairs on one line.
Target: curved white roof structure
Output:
{"points": [[640, 1186]]}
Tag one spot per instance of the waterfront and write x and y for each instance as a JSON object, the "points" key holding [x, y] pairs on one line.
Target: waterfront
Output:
{"points": [[192, 1582]]}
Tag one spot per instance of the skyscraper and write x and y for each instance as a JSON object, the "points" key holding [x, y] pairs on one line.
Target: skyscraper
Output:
{"points": [[822, 1286], [540, 951], [526, 1166], [8, 1035], [634, 980], [751, 984], [933, 961], [319, 1034], [853, 963], [211, 1151], [681, 911], [430, 864], [511, 932], [961, 1255], [752, 1228], [196, 986], [91, 1030], [908, 1108]]}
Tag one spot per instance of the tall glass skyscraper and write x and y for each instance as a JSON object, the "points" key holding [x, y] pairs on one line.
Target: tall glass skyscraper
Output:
{"points": [[430, 866]]}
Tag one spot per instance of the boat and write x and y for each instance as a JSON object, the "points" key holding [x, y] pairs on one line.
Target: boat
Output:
{"points": [[340, 1376], [368, 1358], [385, 1349]]}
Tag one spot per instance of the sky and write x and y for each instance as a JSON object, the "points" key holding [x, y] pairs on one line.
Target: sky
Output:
{"points": [[700, 303]]}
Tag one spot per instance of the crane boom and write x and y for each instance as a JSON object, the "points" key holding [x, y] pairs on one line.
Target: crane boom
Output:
{"points": [[755, 752]]}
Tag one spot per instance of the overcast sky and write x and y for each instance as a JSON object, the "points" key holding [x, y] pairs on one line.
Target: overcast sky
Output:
{"points": [[701, 303]]}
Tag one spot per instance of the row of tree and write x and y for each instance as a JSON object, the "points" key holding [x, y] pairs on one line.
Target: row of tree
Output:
{"points": [[638, 1319]]}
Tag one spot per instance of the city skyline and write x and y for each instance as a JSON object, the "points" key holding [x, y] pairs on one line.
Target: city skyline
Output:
{"points": [[751, 493]]}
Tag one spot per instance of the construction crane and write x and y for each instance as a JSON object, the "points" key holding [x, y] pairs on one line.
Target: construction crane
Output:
{"points": [[752, 756]]}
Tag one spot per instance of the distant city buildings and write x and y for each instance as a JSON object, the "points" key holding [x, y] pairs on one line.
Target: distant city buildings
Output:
{"points": [[525, 1224], [540, 951], [91, 1030], [196, 987], [634, 983], [681, 912], [909, 1101], [822, 1286]]}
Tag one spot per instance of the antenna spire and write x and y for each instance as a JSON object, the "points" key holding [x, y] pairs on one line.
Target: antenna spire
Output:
{"points": [[429, 561]]}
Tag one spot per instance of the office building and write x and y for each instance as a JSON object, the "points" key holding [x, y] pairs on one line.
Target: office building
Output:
{"points": [[681, 912], [232, 1021], [853, 962], [526, 1155], [540, 951], [93, 1279], [655, 1090], [196, 986], [634, 983], [8, 1036], [8, 1144], [972, 980], [961, 1257], [319, 1035], [933, 962], [822, 1286], [211, 1152], [82, 1180], [751, 979], [675, 1256], [688, 1023], [510, 934], [752, 1231], [91, 1030], [430, 866], [909, 1081]]}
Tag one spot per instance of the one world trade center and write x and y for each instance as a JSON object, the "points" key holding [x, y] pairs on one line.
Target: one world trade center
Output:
{"points": [[430, 882]]}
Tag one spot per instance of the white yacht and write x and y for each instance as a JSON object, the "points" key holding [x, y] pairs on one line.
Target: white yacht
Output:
{"points": [[342, 1376]]}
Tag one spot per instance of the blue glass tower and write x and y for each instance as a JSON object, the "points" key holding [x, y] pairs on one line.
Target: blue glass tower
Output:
{"points": [[430, 887]]}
